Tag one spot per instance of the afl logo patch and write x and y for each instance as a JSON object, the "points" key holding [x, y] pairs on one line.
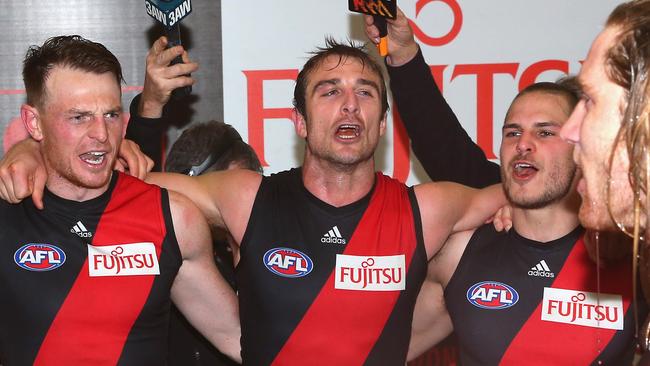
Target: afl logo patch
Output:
{"points": [[492, 295], [39, 257], [287, 262]]}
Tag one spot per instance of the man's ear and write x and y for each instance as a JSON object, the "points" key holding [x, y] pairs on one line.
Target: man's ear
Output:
{"points": [[382, 125], [126, 118], [32, 121], [299, 124]]}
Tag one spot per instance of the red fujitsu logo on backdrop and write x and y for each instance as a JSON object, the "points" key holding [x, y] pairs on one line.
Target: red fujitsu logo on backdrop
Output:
{"points": [[483, 73], [447, 38]]}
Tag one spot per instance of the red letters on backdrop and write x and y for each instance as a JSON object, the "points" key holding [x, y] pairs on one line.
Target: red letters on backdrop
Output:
{"points": [[453, 32], [256, 111], [484, 74], [533, 71], [485, 99]]}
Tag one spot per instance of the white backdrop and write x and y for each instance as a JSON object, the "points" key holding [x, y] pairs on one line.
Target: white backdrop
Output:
{"points": [[483, 50]]}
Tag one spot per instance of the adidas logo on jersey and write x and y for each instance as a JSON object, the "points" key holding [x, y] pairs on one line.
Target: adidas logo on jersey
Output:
{"points": [[333, 236], [541, 270], [81, 230]]}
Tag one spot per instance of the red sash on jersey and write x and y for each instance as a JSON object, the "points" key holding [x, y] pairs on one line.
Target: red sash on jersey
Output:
{"points": [[570, 344], [355, 319], [96, 317]]}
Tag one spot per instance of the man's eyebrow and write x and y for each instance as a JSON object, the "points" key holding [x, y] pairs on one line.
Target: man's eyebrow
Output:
{"points": [[548, 124], [85, 112], [510, 126], [78, 111], [542, 124], [371, 83], [328, 82]]}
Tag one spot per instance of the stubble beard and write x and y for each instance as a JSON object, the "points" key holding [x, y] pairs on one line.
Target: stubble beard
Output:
{"points": [[58, 168], [340, 163], [560, 184]]}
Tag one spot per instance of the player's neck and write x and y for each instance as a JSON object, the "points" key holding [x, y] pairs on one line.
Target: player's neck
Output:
{"points": [[547, 223], [335, 186], [63, 188]]}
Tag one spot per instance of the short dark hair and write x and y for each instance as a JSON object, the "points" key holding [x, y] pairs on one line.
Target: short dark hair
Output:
{"points": [[566, 87], [342, 51], [71, 51], [214, 143]]}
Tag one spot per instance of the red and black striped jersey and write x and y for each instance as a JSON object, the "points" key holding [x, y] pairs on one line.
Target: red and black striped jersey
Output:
{"points": [[324, 285], [515, 301], [88, 283]]}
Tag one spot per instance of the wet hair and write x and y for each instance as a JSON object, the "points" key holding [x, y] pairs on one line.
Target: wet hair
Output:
{"points": [[627, 63], [343, 52], [210, 146], [72, 51], [566, 87]]}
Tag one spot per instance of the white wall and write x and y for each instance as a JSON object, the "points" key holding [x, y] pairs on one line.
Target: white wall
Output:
{"points": [[269, 39]]}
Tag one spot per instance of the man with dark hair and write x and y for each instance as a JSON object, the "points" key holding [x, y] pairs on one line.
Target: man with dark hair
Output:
{"points": [[297, 290], [610, 128], [208, 147], [500, 291], [541, 263], [88, 279], [343, 52], [332, 250], [203, 148], [38, 62]]}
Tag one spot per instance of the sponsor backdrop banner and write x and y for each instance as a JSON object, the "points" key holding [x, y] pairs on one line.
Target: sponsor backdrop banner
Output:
{"points": [[481, 52], [124, 27]]}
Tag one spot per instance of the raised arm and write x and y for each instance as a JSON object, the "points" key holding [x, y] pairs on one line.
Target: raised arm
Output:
{"points": [[199, 291], [438, 139], [147, 123], [148, 133]]}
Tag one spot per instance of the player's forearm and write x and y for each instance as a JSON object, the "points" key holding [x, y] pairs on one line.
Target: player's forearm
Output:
{"points": [[147, 132]]}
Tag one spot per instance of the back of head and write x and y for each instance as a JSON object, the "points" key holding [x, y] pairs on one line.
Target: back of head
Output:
{"points": [[342, 51], [74, 52], [210, 146], [627, 64]]}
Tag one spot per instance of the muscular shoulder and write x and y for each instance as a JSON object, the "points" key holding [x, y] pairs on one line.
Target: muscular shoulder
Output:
{"points": [[224, 197], [190, 226], [440, 206], [235, 192], [184, 212]]}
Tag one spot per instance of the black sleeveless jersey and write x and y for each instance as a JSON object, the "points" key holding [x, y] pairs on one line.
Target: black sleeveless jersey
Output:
{"points": [[321, 285], [88, 283], [514, 301]]}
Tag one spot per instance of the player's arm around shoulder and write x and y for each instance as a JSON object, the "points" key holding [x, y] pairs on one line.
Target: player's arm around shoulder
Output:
{"points": [[199, 291], [225, 197], [447, 208], [431, 320]]}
